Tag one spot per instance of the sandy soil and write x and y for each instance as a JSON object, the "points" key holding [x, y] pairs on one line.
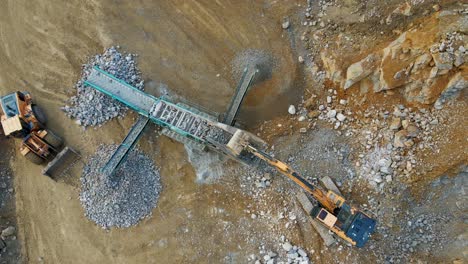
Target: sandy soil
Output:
{"points": [[42, 47], [184, 45]]}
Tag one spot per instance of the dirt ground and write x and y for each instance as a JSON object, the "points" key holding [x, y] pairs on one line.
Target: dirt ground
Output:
{"points": [[187, 46], [182, 45]]}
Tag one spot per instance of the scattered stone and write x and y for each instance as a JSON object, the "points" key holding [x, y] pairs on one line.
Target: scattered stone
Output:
{"points": [[340, 117], [303, 130], [403, 9], [9, 231], [413, 131], [443, 60], [300, 59], [292, 110], [331, 114], [287, 246], [313, 114], [285, 24], [396, 123]]}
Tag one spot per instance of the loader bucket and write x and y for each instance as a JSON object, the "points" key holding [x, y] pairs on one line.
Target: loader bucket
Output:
{"points": [[61, 163]]}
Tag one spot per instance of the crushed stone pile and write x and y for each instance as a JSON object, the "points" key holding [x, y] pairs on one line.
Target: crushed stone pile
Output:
{"points": [[261, 59], [127, 197], [92, 108]]}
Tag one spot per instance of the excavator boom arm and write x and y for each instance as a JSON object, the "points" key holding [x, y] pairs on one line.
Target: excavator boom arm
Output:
{"points": [[283, 168]]}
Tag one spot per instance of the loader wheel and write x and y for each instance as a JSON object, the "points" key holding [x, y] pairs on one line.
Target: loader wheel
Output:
{"points": [[54, 140], [34, 158], [39, 114]]}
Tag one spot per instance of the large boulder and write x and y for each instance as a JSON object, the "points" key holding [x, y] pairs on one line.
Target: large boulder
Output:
{"points": [[361, 69], [443, 60], [457, 83]]}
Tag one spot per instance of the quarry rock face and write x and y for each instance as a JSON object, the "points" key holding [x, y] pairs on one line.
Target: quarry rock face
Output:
{"points": [[426, 62]]}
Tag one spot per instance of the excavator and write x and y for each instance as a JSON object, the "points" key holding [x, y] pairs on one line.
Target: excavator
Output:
{"points": [[332, 211], [21, 118]]}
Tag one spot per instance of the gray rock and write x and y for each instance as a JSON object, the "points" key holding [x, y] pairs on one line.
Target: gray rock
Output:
{"points": [[443, 60], [395, 124], [302, 252], [340, 117], [459, 59], [300, 59], [9, 231], [92, 108], [292, 110], [287, 246], [331, 114]]}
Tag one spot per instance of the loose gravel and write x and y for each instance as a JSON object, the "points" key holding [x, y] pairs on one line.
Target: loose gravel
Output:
{"points": [[263, 60], [124, 199], [92, 108]]}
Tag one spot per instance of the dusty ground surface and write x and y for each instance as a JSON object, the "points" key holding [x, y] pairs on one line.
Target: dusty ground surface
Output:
{"points": [[188, 47], [10, 247]]}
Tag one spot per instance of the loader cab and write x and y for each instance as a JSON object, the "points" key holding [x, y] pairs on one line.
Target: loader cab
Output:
{"points": [[10, 115], [9, 105]]}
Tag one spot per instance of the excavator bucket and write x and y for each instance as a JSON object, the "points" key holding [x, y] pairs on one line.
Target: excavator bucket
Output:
{"points": [[61, 163]]}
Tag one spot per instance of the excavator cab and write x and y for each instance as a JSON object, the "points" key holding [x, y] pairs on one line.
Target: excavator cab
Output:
{"points": [[353, 226]]}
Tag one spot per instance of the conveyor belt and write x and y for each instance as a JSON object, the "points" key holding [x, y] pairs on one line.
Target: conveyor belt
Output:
{"points": [[241, 90], [180, 122], [123, 92], [119, 155]]}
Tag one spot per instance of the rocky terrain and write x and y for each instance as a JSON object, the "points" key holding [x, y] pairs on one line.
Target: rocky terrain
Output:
{"points": [[370, 93], [10, 247]]}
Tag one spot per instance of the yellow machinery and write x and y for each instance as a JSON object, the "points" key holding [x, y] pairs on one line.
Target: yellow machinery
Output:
{"points": [[21, 118], [332, 210]]}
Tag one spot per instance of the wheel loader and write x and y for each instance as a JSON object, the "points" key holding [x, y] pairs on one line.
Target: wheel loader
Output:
{"points": [[21, 118]]}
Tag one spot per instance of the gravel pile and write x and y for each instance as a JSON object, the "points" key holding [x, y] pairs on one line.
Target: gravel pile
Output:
{"points": [[92, 108], [263, 60], [129, 196]]}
